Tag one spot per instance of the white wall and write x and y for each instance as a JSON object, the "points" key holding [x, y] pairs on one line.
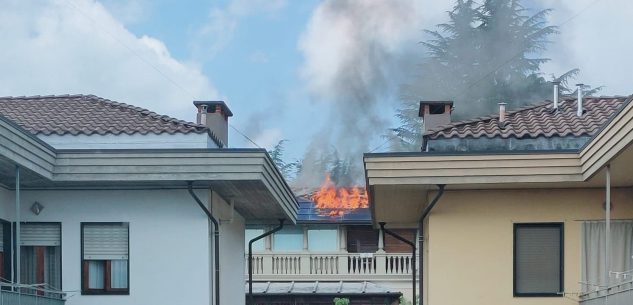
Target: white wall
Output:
{"points": [[125, 141], [231, 253], [169, 257]]}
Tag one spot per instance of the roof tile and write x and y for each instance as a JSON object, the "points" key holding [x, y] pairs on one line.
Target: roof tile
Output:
{"points": [[88, 114], [537, 120]]}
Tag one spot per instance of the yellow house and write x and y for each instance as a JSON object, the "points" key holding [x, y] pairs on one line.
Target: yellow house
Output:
{"points": [[533, 206]]}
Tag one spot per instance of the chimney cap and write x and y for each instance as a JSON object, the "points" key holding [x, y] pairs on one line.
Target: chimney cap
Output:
{"points": [[555, 82], [580, 84], [225, 108], [433, 103]]}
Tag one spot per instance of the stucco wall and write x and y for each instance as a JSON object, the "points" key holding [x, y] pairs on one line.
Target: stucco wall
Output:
{"points": [[169, 258], [470, 240], [231, 252]]}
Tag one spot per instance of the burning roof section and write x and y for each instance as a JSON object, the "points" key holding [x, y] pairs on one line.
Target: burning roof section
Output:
{"points": [[332, 204], [536, 127]]}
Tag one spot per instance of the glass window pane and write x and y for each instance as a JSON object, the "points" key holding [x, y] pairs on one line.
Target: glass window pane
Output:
{"points": [[537, 259], [96, 274], [322, 240], [53, 267], [118, 274], [288, 239], [28, 265], [250, 234]]}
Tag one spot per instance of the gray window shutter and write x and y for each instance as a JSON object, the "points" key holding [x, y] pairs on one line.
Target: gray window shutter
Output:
{"points": [[40, 234], [105, 241], [1, 238], [538, 264]]}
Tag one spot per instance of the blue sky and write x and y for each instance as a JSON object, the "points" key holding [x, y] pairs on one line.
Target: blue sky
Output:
{"points": [[284, 67]]}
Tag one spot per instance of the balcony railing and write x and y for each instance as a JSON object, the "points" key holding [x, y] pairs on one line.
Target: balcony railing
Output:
{"points": [[618, 294], [12, 294], [324, 266]]}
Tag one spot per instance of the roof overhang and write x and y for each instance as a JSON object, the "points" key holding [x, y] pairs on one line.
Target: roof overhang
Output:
{"points": [[393, 173], [246, 176]]}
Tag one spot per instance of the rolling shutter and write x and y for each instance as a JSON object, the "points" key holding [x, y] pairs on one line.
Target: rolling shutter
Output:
{"points": [[538, 259], [105, 241], [40, 234], [1, 238]]}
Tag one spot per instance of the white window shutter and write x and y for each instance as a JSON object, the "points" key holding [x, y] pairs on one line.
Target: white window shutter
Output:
{"points": [[40, 234], [1, 238], [105, 241]]}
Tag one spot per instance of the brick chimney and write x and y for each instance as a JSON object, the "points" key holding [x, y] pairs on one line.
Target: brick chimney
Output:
{"points": [[435, 114], [215, 115]]}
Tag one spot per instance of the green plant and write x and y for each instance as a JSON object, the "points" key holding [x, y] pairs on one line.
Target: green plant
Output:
{"points": [[341, 301]]}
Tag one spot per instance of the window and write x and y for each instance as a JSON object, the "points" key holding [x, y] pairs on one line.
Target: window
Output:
{"points": [[322, 239], [393, 245], [250, 234], [40, 254], [105, 255], [288, 239], [594, 252], [362, 239], [3, 263], [538, 259]]}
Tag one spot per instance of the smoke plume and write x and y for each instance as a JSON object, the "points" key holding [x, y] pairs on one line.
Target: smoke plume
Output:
{"points": [[356, 52]]}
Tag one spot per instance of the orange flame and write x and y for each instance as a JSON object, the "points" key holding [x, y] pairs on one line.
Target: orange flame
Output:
{"points": [[338, 201]]}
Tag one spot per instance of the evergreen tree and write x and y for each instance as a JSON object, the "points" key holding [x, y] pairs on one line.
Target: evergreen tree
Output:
{"points": [[483, 55]]}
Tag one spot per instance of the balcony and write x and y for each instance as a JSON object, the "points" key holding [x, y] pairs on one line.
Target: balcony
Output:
{"points": [[331, 266], [12, 294], [617, 294]]}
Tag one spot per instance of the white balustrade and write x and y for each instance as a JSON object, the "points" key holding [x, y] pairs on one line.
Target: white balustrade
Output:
{"points": [[331, 265]]}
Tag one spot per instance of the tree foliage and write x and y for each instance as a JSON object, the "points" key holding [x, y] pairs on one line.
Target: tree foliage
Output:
{"points": [[484, 54], [287, 169]]}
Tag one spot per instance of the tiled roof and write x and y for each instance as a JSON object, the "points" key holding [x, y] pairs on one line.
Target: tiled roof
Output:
{"points": [[537, 120], [88, 114]]}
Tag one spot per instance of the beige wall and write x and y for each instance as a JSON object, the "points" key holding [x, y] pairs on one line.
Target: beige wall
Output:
{"points": [[470, 240]]}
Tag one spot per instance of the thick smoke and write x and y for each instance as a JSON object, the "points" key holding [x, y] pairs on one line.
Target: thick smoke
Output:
{"points": [[355, 52]]}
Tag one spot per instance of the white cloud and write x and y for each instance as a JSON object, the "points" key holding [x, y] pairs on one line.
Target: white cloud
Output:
{"points": [[128, 11], [65, 47], [220, 27], [597, 41]]}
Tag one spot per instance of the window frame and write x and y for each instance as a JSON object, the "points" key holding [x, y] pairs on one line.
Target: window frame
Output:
{"points": [[561, 271], [41, 248], [107, 290], [5, 258]]}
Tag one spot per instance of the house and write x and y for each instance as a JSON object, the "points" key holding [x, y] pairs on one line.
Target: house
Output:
{"points": [[107, 203], [329, 253], [532, 206]]}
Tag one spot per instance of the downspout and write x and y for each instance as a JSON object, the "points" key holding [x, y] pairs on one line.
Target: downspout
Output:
{"points": [[410, 243], [17, 226], [250, 258], [216, 241], [425, 213], [607, 241]]}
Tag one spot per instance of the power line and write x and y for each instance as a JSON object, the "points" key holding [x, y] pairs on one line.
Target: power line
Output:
{"points": [[147, 62]]}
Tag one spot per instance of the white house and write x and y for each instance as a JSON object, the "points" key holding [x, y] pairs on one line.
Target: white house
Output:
{"points": [[114, 204]]}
